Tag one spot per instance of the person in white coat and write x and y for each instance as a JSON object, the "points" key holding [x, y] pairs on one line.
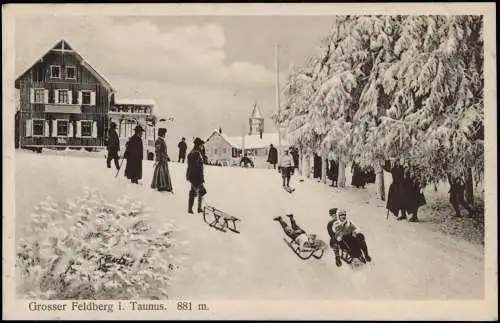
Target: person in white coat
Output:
{"points": [[286, 168]]}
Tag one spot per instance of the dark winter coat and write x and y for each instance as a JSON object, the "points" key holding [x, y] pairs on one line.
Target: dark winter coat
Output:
{"points": [[369, 175], [161, 175], [358, 176], [134, 156], [195, 166], [415, 198], [182, 149], [397, 195], [272, 157], [333, 172], [113, 141], [317, 166]]}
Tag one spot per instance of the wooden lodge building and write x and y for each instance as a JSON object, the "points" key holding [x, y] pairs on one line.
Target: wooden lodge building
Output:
{"points": [[65, 103]]}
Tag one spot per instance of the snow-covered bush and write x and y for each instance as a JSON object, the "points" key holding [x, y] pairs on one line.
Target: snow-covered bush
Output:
{"points": [[93, 249]]}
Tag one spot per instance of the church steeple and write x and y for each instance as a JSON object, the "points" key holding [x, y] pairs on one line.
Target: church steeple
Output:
{"points": [[256, 121]]}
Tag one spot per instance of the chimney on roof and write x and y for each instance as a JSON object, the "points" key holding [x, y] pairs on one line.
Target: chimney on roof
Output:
{"points": [[220, 130]]}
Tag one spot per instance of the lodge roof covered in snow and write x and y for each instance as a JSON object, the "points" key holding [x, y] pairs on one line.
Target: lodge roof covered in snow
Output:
{"points": [[62, 46], [251, 141]]}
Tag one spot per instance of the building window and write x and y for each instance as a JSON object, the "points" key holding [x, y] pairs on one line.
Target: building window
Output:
{"points": [[62, 128], [70, 72], [39, 95], [86, 128], [215, 151], [38, 127], [224, 150], [63, 96], [86, 97], [55, 71]]}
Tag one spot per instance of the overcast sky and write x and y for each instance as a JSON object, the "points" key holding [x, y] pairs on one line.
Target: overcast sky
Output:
{"points": [[205, 71]]}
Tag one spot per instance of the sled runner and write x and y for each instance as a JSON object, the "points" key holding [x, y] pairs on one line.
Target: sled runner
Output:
{"points": [[308, 251], [221, 219], [354, 258]]}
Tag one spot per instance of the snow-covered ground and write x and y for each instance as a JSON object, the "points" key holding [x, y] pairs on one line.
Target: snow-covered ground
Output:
{"points": [[409, 261]]}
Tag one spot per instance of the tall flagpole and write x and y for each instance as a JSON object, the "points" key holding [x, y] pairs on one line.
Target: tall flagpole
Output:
{"points": [[278, 101]]}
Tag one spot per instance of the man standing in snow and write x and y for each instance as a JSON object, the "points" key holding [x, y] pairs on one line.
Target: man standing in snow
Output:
{"points": [[195, 175], [134, 155], [182, 150], [113, 146], [272, 158], [286, 168], [295, 155]]}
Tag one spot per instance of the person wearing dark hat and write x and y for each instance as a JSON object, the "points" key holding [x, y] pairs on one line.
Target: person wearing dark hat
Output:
{"points": [[182, 150], [194, 174], [113, 146], [134, 155], [161, 175]]}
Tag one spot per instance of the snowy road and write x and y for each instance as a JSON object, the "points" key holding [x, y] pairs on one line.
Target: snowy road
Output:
{"points": [[409, 261]]}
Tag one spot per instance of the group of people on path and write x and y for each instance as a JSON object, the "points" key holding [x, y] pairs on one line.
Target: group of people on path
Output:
{"points": [[161, 175]]}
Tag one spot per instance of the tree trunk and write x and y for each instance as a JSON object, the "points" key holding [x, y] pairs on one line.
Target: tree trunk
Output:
{"points": [[323, 168], [380, 181], [306, 166], [341, 180], [469, 188]]}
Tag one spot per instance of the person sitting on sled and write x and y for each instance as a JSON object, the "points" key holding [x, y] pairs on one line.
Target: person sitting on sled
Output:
{"points": [[297, 234], [342, 230]]}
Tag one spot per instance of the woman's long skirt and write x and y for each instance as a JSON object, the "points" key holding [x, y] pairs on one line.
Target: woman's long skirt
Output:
{"points": [[161, 178]]}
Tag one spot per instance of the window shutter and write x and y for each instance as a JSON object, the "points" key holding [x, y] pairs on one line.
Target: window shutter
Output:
{"points": [[70, 129], [45, 96], [56, 96], [70, 97], [78, 128], [29, 124], [47, 134], [32, 95], [54, 128], [79, 97], [94, 129], [92, 98]]}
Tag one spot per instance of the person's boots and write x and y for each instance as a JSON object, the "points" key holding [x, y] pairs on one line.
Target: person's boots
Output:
{"points": [[200, 201], [338, 261], [403, 215], [414, 217], [364, 248], [191, 201]]}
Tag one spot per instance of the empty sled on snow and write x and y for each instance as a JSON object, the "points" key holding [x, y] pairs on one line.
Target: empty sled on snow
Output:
{"points": [[308, 250], [221, 219]]}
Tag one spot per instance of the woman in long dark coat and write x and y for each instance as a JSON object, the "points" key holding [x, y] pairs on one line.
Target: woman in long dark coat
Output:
{"points": [[317, 166], [397, 197], [414, 197], [134, 156], [161, 175], [333, 172], [272, 157], [358, 176]]}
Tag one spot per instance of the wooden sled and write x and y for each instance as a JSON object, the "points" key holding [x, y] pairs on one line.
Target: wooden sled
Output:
{"points": [[356, 261], [221, 219], [306, 252]]}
